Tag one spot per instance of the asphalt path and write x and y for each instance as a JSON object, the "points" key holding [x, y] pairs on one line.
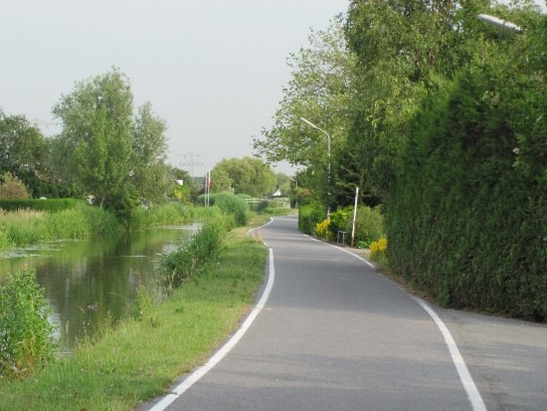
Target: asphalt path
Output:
{"points": [[331, 333]]}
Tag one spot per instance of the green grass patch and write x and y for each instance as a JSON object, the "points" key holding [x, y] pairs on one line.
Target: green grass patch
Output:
{"points": [[142, 357]]}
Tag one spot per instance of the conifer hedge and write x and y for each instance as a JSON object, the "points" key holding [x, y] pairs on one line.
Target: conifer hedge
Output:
{"points": [[467, 217]]}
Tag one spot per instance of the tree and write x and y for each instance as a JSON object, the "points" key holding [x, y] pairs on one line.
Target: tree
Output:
{"points": [[149, 174], [107, 152], [12, 187], [321, 90], [96, 135], [24, 152], [187, 190], [244, 176], [283, 184]]}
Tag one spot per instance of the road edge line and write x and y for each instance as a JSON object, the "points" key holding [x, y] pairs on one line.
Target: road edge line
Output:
{"points": [[371, 265], [180, 389], [477, 403], [473, 393]]}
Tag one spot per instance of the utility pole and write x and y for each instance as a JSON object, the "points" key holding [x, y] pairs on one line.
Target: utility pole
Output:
{"points": [[191, 160]]}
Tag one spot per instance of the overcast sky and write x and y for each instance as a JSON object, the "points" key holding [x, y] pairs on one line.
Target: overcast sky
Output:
{"points": [[212, 69]]}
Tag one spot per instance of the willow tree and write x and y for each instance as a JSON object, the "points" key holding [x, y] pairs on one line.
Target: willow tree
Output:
{"points": [[96, 134], [106, 151], [243, 176], [149, 174]]}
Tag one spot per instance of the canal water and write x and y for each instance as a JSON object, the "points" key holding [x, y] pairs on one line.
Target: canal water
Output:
{"points": [[91, 282]]}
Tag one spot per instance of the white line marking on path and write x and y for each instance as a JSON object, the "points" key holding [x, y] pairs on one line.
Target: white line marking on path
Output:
{"points": [[477, 403], [226, 348], [344, 250]]}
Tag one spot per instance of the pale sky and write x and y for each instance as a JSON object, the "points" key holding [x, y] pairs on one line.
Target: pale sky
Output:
{"points": [[212, 69]]}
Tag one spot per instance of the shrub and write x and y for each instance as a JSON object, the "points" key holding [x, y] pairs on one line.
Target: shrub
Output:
{"points": [[66, 224], [309, 215], [232, 205], [378, 250], [99, 221], [322, 230], [190, 258], [23, 227], [262, 206], [340, 220], [173, 212], [26, 336], [369, 226], [12, 187]]}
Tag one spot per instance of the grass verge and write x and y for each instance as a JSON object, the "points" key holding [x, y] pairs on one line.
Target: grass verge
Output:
{"points": [[141, 358]]}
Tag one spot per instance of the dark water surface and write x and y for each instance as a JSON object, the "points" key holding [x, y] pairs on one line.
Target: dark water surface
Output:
{"points": [[91, 282]]}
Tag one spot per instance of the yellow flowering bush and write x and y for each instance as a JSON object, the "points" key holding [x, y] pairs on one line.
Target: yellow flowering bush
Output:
{"points": [[378, 250], [322, 229]]}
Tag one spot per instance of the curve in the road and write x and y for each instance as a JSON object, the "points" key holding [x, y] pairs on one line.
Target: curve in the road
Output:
{"points": [[469, 386], [227, 347]]}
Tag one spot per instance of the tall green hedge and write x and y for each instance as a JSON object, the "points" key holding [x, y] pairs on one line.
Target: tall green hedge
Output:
{"points": [[467, 219], [50, 205]]}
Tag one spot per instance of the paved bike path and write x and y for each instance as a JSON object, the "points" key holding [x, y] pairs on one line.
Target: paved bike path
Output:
{"points": [[333, 335]]}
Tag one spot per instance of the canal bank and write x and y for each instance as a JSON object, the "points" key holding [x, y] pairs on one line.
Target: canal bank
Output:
{"points": [[141, 357], [90, 281]]}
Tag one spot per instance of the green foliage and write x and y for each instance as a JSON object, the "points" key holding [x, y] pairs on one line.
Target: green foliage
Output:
{"points": [[340, 220], [467, 218], [229, 204], [70, 223], [369, 226], [121, 204], [150, 176], [95, 142], [142, 356], [26, 336], [319, 90], [49, 205], [12, 187], [192, 257], [243, 176], [23, 227], [105, 151], [173, 212], [233, 206], [80, 222], [24, 154], [262, 206], [309, 215]]}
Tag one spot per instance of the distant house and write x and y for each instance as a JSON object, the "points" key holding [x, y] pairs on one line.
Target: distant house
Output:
{"points": [[277, 193]]}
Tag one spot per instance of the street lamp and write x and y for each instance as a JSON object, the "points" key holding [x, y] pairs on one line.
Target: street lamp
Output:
{"points": [[502, 24], [309, 123]]}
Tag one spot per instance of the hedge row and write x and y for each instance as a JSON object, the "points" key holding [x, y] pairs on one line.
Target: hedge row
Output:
{"points": [[467, 221], [51, 205]]}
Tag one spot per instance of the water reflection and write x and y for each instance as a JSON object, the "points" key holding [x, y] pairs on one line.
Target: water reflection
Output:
{"points": [[89, 282]]}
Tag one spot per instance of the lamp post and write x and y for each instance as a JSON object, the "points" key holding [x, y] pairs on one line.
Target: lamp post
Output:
{"points": [[309, 123], [502, 24]]}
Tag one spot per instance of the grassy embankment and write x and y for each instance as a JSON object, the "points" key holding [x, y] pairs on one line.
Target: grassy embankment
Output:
{"points": [[141, 357]]}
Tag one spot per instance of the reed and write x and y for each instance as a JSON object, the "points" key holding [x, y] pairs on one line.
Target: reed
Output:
{"points": [[23, 227], [142, 357], [26, 337]]}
